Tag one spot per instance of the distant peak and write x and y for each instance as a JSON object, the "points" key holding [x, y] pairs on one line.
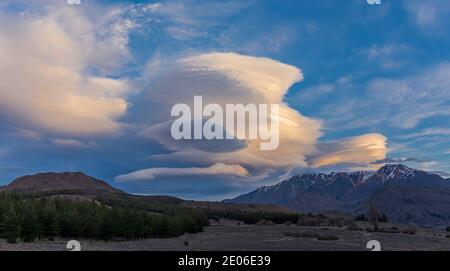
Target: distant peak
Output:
{"points": [[394, 167], [390, 171]]}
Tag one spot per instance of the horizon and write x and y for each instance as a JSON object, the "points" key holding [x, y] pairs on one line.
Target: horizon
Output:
{"points": [[224, 199], [89, 88]]}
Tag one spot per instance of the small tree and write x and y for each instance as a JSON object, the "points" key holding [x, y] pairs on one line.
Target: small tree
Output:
{"points": [[28, 227], [384, 219], [11, 227], [2, 225], [373, 216], [50, 224]]}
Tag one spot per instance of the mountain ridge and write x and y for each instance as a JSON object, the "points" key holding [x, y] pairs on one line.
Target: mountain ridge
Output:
{"points": [[79, 186], [352, 192]]}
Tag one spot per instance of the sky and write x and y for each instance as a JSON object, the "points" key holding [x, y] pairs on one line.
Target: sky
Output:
{"points": [[90, 88]]}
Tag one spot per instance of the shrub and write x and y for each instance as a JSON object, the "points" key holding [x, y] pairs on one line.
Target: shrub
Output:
{"points": [[300, 235], [354, 227], [264, 222], [383, 219], [390, 230], [447, 229], [410, 230], [311, 221], [327, 238], [308, 235]]}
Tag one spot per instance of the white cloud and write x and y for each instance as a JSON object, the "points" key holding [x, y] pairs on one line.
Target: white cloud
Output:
{"points": [[415, 98], [152, 173], [429, 132], [428, 15], [44, 63], [225, 78], [357, 150], [228, 78]]}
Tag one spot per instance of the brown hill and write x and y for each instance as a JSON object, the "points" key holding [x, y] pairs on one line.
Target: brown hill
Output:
{"points": [[73, 182]]}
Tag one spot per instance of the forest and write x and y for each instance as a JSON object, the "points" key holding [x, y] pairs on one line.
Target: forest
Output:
{"points": [[34, 217], [28, 219]]}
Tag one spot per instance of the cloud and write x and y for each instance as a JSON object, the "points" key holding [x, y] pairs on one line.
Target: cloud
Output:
{"points": [[443, 174], [152, 173], [72, 143], [445, 132], [401, 161], [228, 78], [360, 149], [403, 102], [26, 134], [428, 14], [44, 62]]}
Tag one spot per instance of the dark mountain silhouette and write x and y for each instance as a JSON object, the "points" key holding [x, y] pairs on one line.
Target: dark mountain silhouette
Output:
{"points": [[406, 195]]}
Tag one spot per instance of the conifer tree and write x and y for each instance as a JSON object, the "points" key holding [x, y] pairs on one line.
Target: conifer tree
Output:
{"points": [[11, 227]]}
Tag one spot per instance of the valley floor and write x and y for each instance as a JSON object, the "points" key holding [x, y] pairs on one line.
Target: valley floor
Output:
{"points": [[231, 236]]}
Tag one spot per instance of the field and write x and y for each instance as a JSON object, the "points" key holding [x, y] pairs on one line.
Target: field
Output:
{"points": [[234, 236]]}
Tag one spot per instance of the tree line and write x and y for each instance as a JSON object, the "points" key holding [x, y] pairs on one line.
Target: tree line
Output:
{"points": [[29, 219], [253, 217]]}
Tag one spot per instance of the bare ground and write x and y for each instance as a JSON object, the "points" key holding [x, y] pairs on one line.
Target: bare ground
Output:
{"points": [[231, 236]]}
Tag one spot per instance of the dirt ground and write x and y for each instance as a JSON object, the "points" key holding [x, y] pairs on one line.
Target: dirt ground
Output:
{"points": [[232, 236]]}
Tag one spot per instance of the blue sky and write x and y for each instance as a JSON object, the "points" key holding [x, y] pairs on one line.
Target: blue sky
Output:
{"points": [[89, 88]]}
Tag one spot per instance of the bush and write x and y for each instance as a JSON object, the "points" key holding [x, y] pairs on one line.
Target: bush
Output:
{"points": [[383, 219], [354, 227], [447, 229], [327, 238], [264, 222], [410, 230], [391, 230], [308, 235], [301, 234], [252, 218], [384, 230], [311, 220]]}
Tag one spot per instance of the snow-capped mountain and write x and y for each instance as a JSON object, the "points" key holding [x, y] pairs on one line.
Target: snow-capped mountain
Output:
{"points": [[351, 192]]}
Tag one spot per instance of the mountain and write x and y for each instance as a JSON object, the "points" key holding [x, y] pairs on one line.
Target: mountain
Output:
{"points": [[73, 182], [79, 186], [406, 195]]}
